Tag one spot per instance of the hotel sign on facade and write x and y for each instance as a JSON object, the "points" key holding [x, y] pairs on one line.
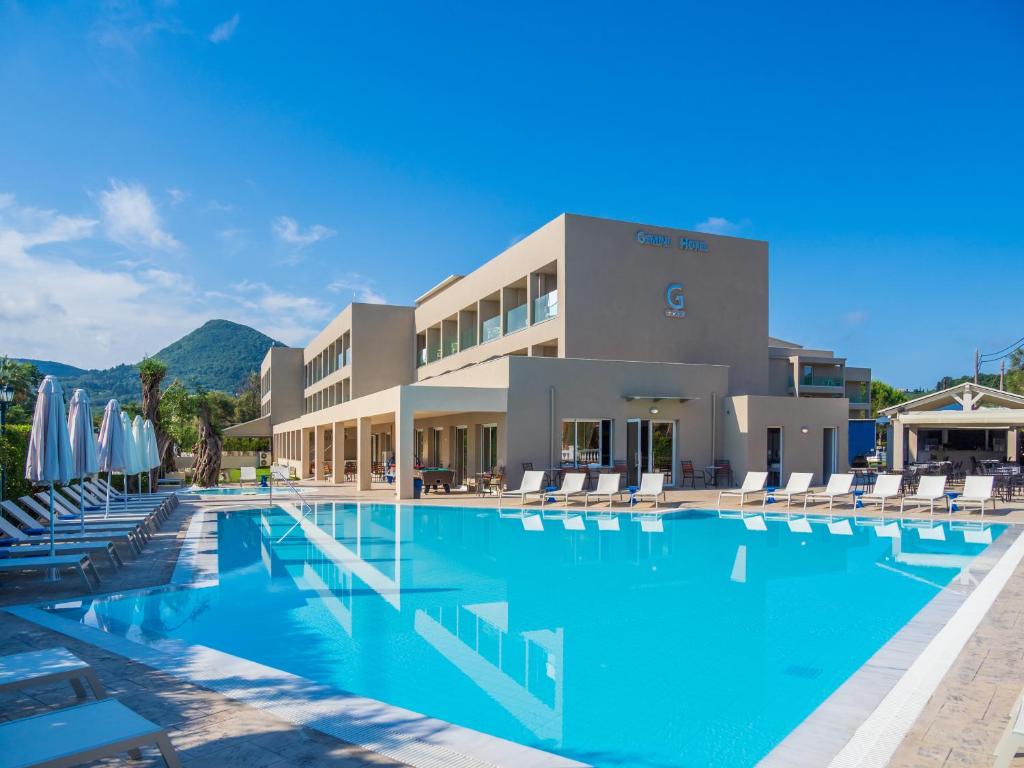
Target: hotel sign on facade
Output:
{"points": [[665, 241]]}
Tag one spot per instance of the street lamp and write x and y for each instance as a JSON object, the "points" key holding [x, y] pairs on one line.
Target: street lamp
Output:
{"points": [[6, 396]]}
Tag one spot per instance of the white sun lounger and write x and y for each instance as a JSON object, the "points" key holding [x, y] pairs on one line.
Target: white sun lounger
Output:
{"points": [[246, 475], [607, 486], [652, 487], [930, 489], [572, 485], [531, 486], [63, 533], [81, 563], [886, 487], [24, 545], [753, 484], [839, 485], [799, 484], [52, 665], [1012, 740], [80, 734], [69, 507], [43, 520], [977, 490]]}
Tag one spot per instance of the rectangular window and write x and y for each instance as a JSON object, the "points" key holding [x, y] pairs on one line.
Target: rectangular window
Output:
{"points": [[586, 441], [489, 447], [418, 447], [435, 447]]}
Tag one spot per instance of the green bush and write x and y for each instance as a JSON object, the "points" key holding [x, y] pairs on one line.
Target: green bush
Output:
{"points": [[13, 451]]}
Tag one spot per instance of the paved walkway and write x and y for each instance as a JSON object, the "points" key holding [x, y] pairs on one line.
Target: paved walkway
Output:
{"points": [[207, 729]]}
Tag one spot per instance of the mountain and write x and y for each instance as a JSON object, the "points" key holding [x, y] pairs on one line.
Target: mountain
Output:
{"points": [[218, 356], [51, 368]]}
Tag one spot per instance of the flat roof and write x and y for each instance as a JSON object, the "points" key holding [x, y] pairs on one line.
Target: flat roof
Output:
{"points": [[444, 284]]}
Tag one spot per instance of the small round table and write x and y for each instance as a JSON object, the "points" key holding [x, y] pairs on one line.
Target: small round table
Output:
{"points": [[768, 491], [631, 490], [550, 489]]}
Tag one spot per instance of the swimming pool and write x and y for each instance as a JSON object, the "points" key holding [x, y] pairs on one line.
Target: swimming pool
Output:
{"points": [[256, 490], [702, 643]]}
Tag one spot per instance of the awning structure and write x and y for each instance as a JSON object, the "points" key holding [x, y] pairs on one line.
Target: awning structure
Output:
{"points": [[256, 428]]}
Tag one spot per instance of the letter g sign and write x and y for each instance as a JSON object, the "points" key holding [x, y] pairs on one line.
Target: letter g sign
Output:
{"points": [[674, 296]]}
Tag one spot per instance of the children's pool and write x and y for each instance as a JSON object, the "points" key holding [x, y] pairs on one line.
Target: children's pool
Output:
{"points": [[694, 642]]}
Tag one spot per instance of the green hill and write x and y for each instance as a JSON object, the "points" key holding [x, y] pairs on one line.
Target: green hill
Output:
{"points": [[217, 356], [51, 368]]}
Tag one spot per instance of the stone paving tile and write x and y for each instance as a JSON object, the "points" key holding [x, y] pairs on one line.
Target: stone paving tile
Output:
{"points": [[208, 730], [966, 716]]}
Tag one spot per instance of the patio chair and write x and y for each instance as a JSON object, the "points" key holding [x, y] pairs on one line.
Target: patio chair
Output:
{"points": [[886, 487], [930, 489], [33, 527], [798, 485], [68, 519], [977, 490], [81, 734], [1012, 740], [17, 543], [652, 487], [753, 484], [531, 486], [51, 665], [839, 484], [607, 486], [689, 474], [572, 485], [246, 475]]}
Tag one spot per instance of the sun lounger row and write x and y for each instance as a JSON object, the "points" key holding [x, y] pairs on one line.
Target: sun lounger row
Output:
{"points": [[77, 734], [931, 490], [608, 488]]}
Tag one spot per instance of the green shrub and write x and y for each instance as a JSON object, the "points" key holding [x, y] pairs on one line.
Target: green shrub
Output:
{"points": [[13, 451]]}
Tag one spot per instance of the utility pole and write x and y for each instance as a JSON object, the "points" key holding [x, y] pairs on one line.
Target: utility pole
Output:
{"points": [[977, 364], [1002, 373]]}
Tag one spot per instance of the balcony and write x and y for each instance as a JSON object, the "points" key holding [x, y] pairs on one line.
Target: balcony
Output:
{"points": [[516, 319], [492, 328], [545, 307], [450, 347], [821, 381], [468, 338]]}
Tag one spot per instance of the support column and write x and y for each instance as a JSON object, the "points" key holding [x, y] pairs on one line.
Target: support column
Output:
{"points": [[363, 458], [404, 448], [911, 450], [897, 448], [338, 452], [303, 453], [318, 452], [1012, 442]]}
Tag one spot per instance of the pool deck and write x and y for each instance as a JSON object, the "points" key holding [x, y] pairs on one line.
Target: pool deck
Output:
{"points": [[959, 725]]}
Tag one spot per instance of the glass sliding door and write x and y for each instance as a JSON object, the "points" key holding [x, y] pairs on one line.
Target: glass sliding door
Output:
{"points": [[461, 453], [650, 447], [587, 441], [663, 450], [488, 447], [774, 457]]}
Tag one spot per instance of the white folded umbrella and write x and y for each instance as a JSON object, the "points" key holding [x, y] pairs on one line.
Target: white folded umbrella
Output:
{"points": [[131, 456], [83, 444], [49, 447], [139, 438], [152, 452], [110, 451]]}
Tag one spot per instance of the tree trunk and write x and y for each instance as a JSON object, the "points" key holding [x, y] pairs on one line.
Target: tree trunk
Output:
{"points": [[207, 451], [151, 410]]}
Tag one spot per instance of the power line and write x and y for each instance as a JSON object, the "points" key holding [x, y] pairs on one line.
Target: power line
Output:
{"points": [[990, 356]]}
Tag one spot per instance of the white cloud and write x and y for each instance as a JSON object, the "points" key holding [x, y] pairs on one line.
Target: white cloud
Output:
{"points": [[362, 289], [218, 207], [287, 230], [177, 195], [855, 318], [719, 225], [56, 305], [225, 30], [130, 217]]}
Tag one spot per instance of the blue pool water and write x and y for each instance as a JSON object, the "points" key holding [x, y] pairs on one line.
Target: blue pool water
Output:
{"points": [[244, 491], [702, 644]]}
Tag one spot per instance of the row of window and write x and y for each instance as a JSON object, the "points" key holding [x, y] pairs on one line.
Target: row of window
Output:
{"points": [[335, 394], [287, 445], [336, 355]]}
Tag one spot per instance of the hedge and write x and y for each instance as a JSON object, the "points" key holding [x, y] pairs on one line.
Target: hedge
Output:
{"points": [[13, 452]]}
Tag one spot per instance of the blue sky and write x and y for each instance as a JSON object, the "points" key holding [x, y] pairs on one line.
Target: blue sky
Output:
{"points": [[165, 163]]}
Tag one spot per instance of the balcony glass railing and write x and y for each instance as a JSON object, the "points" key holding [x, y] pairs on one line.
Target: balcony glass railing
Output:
{"points": [[820, 381], [545, 307], [450, 347], [345, 358], [516, 319], [468, 338], [492, 328]]}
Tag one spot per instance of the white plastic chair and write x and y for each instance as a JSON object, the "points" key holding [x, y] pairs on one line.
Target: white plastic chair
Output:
{"points": [[607, 486], [753, 483], [886, 487], [572, 485], [247, 475], [532, 485], [930, 489], [799, 484], [839, 485], [977, 490], [652, 486]]}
